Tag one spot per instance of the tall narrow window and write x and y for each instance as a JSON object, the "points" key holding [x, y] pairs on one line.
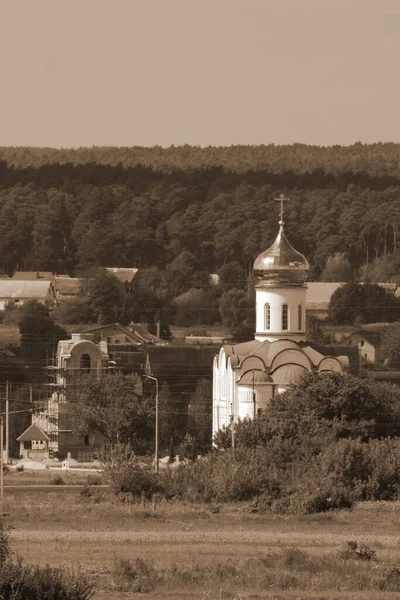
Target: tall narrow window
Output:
{"points": [[285, 315], [267, 316], [85, 364], [300, 317]]}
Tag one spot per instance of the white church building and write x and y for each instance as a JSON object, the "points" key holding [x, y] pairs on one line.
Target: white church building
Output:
{"points": [[246, 376]]}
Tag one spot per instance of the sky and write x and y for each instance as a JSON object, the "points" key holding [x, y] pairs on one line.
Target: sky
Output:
{"points": [[200, 72]]}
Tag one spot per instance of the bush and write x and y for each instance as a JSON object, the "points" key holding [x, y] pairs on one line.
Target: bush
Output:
{"points": [[128, 475], [357, 551], [57, 480], [133, 575], [23, 582]]}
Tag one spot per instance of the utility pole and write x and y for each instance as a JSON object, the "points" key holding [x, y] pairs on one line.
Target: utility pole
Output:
{"points": [[156, 424], [233, 431], [7, 424], [1, 456]]}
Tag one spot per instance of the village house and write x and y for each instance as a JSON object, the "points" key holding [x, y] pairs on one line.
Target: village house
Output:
{"points": [[368, 342], [66, 288], [20, 291], [124, 276]]}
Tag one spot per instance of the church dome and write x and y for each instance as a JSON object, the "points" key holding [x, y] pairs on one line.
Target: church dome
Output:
{"points": [[281, 263], [253, 377]]}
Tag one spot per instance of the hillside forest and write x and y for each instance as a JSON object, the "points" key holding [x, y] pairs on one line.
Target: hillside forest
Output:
{"points": [[182, 213]]}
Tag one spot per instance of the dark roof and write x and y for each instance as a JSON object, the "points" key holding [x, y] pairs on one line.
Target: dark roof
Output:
{"points": [[180, 358], [68, 285], [351, 352], [33, 275], [137, 333], [33, 433], [373, 337]]}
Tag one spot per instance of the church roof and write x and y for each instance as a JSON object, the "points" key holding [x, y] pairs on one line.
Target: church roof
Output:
{"points": [[289, 374], [281, 263], [253, 377]]}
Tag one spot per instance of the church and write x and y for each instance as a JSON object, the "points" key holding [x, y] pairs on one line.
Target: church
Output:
{"points": [[246, 376]]}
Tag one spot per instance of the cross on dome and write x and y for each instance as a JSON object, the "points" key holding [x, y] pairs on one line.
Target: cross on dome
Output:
{"points": [[281, 198]]}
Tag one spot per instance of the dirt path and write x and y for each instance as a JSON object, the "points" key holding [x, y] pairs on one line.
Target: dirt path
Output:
{"points": [[205, 537]]}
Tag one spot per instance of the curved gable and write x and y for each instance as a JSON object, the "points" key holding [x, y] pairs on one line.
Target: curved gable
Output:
{"points": [[330, 363], [291, 356]]}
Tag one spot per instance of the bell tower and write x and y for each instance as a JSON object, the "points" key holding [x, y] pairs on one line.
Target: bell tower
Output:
{"points": [[280, 273]]}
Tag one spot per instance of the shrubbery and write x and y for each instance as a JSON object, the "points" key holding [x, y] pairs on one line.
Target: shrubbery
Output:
{"points": [[325, 444], [24, 582], [129, 475]]}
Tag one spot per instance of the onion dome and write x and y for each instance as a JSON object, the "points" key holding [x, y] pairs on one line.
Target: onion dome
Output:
{"points": [[281, 263]]}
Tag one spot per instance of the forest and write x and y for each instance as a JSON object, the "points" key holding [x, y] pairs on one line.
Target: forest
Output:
{"points": [[70, 210]]}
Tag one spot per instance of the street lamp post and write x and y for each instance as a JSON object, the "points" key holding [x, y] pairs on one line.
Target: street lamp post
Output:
{"points": [[156, 433]]}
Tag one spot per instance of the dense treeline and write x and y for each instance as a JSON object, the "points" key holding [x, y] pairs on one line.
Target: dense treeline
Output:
{"points": [[379, 159], [68, 210]]}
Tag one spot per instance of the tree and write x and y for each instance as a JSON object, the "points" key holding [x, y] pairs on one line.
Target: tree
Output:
{"points": [[238, 314], [337, 268], [319, 410], [232, 275], [179, 273], [105, 297], [391, 344], [363, 303], [114, 407], [200, 415], [39, 334]]}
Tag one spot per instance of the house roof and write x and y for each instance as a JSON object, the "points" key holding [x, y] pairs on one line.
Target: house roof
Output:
{"points": [[33, 433], [179, 358], [122, 274], [136, 332], [373, 337], [320, 292], [21, 289], [67, 285], [33, 275]]}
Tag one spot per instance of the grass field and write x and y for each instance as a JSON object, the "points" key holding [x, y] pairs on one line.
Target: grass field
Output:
{"points": [[206, 552]]}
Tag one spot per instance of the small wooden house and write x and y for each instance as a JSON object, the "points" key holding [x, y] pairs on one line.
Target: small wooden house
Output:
{"points": [[34, 443]]}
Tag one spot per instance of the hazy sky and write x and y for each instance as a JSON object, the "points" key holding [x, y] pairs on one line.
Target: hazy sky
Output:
{"points": [[218, 72]]}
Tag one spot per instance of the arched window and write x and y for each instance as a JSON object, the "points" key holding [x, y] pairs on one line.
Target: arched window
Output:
{"points": [[85, 364], [300, 317], [267, 316], [285, 317]]}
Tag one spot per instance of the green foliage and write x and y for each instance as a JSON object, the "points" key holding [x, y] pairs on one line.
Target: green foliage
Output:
{"points": [[391, 344], [79, 310], [129, 475], [114, 407], [23, 582], [356, 551], [196, 307], [363, 303], [146, 206], [200, 416], [39, 334], [337, 268], [57, 480], [137, 576]]}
